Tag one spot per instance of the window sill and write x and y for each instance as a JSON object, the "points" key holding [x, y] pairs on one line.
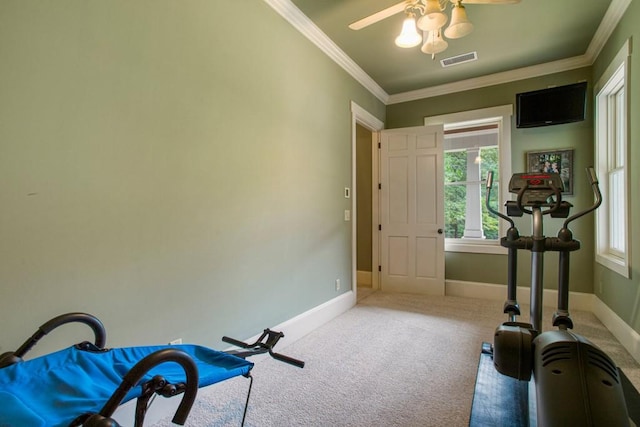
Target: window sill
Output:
{"points": [[474, 247], [613, 263]]}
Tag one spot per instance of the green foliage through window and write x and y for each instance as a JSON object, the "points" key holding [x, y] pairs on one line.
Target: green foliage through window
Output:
{"points": [[455, 178]]}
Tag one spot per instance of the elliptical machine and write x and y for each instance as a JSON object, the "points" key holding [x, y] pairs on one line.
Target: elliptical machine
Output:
{"points": [[576, 383]]}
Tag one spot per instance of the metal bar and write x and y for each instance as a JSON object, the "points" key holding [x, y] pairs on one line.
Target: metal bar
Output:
{"points": [[537, 270]]}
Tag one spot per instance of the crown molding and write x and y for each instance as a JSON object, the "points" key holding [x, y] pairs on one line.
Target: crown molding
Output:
{"points": [[302, 23], [493, 79], [311, 31], [611, 18]]}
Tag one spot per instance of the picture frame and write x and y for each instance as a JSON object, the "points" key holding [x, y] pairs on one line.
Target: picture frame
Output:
{"points": [[559, 161]]}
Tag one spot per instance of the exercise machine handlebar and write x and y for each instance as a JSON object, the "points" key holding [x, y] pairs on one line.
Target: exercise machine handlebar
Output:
{"points": [[264, 344], [131, 379], [488, 198], [511, 306], [595, 187], [93, 322]]}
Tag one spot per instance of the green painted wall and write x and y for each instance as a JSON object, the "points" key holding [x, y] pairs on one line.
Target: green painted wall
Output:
{"points": [[621, 294], [578, 136], [169, 171]]}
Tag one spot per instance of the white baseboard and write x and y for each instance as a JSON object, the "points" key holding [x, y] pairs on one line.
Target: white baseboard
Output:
{"points": [[304, 323], [624, 333], [364, 278], [627, 336], [300, 325], [459, 288]]}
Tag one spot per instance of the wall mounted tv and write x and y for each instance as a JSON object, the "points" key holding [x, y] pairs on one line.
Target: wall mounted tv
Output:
{"points": [[551, 106]]}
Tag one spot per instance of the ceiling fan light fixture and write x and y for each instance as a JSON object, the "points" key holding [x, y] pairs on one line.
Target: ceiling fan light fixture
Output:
{"points": [[434, 43], [460, 25], [433, 18], [409, 36], [430, 17]]}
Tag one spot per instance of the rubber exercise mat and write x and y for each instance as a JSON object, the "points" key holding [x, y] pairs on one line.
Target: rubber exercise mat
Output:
{"points": [[498, 400]]}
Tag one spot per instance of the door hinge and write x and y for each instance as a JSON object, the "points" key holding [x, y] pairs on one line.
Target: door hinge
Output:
{"points": [[379, 145], [379, 227], [379, 186], [379, 268]]}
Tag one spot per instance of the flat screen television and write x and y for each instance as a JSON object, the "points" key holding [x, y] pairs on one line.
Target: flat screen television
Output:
{"points": [[551, 106]]}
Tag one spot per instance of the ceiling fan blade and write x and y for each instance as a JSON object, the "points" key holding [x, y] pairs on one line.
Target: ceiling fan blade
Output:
{"points": [[487, 1], [378, 16]]}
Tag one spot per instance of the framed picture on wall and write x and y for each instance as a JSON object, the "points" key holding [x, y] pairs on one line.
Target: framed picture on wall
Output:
{"points": [[558, 161]]}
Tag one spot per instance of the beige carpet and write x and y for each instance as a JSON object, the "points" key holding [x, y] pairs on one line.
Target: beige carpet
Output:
{"points": [[392, 360]]}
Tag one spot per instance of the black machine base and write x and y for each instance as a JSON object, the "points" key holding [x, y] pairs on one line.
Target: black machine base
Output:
{"points": [[503, 401]]}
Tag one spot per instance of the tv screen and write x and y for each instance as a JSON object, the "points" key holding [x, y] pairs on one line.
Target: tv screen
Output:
{"points": [[552, 106]]}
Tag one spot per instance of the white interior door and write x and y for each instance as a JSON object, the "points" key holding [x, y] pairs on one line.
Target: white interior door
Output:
{"points": [[412, 210]]}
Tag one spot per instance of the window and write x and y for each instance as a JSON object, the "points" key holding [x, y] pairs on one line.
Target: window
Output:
{"points": [[612, 245], [468, 156], [475, 142]]}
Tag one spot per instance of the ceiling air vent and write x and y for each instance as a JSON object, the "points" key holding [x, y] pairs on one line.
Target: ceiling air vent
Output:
{"points": [[459, 59]]}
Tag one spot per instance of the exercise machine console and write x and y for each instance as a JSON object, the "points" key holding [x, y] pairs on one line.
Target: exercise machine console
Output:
{"points": [[575, 382]]}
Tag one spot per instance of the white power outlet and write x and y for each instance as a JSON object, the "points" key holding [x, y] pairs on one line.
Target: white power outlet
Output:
{"points": [[337, 284], [176, 341]]}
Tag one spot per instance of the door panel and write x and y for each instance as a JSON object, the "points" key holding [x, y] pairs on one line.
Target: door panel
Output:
{"points": [[398, 190], [425, 248], [426, 191], [398, 256], [412, 210]]}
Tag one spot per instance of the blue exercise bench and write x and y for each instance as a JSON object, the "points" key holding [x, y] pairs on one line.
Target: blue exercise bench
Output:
{"points": [[85, 383]]}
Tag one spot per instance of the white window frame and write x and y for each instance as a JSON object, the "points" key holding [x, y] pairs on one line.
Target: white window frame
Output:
{"points": [[501, 115], [607, 127]]}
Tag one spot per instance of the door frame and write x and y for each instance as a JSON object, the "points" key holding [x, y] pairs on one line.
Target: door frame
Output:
{"points": [[367, 120]]}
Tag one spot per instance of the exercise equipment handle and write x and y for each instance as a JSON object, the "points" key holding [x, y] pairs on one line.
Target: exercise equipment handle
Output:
{"points": [[89, 320], [96, 325], [595, 187], [264, 344], [488, 198], [287, 359], [136, 373], [235, 342]]}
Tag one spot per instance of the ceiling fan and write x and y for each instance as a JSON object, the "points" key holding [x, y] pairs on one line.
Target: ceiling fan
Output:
{"points": [[428, 16]]}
